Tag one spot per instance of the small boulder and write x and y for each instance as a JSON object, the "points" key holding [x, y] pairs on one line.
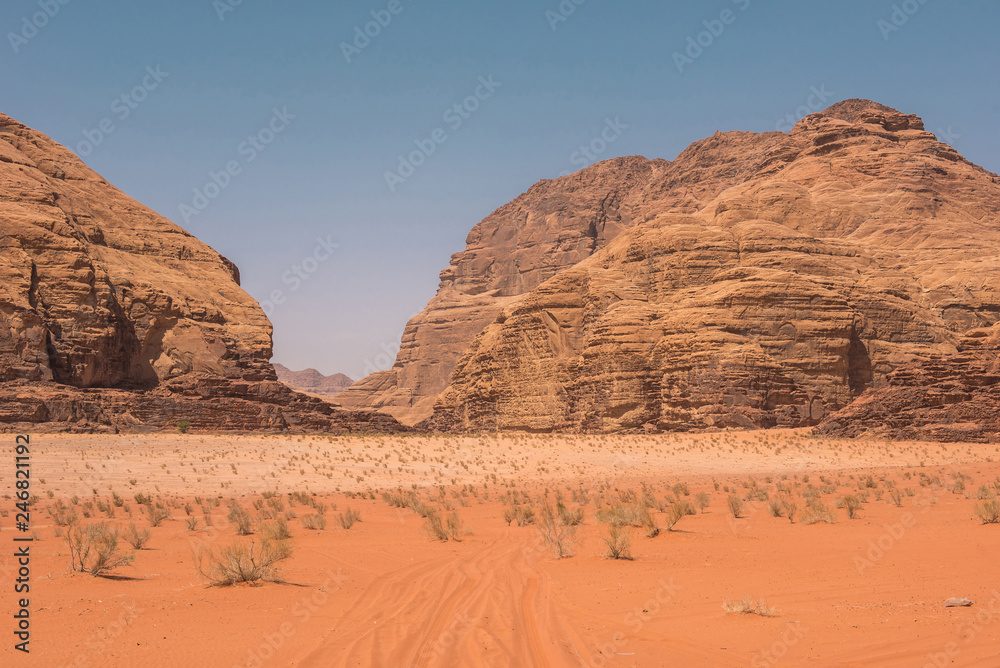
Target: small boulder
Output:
{"points": [[957, 603]]}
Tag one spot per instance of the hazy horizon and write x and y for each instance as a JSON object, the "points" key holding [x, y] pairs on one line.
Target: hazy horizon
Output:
{"points": [[163, 102]]}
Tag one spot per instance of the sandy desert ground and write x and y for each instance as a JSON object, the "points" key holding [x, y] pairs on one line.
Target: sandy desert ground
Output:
{"points": [[867, 591]]}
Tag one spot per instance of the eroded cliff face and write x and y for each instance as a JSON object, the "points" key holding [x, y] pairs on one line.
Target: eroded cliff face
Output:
{"points": [[555, 225], [950, 397], [112, 317], [757, 280], [97, 290]]}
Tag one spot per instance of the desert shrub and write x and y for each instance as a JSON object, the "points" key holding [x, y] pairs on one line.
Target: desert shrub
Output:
{"points": [[984, 493], [313, 522], [748, 606], [156, 513], [735, 504], [347, 518], [558, 535], [790, 507], [183, 426], [678, 511], [815, 512], [454, 526], [569, 517], [239, 517], [625, 514], [242, 562], [192, 523], [618, 542], [137, 537], [896, 496], [702, 501], [852, 504], [446, 529], [63, 516], [524, 515], [988, 511], [94, 549], [276, 529], [776, 507], [509, 515]]}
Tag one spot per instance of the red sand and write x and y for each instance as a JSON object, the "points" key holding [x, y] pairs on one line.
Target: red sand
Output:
{"points": [[861, 592]]}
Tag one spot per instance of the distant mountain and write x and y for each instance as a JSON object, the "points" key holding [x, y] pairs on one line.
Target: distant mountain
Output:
{"points": [[311, 380]]}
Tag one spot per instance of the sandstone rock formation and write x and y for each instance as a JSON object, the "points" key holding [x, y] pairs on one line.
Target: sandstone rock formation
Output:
{"points": [[756, 280], [312, 381], [111, 315], [947, 398]]}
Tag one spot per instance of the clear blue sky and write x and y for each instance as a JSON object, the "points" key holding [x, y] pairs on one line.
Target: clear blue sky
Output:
{"points": [[323, 175]]}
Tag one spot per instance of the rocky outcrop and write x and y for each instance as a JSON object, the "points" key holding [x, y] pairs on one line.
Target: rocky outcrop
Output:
{"points": [[757, 280], [207, 403], [555, 225], [97, 290], [947, 398], [312, 381], [111, 316]]}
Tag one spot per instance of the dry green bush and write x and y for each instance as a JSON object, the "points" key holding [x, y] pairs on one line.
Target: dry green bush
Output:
{"points": [[816, 511], [523, 515], [240, 518], [242, 562], [569, 517], [63, 516], [192, 523], [748, 606], [446, 529], [735, 504], [156, 513], [852, 504], [137, 537], [347, 518], [558, 535], [677, 512], [94, 549], [702, 501], [618, 542], [313, 522], [988, 511], [276, 529], [776, 507]]}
